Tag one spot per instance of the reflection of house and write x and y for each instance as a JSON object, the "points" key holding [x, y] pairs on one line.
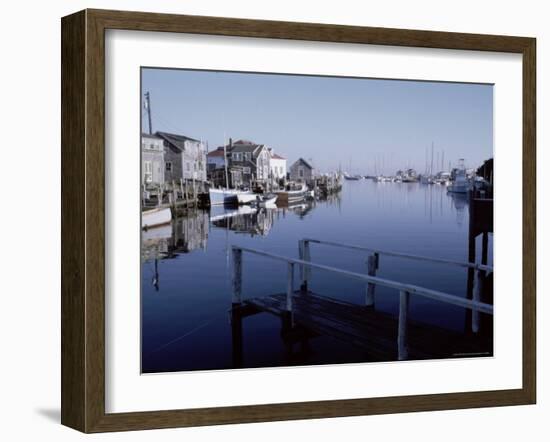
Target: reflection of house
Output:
{"points": [[152, 159], [277, 165], [301, 171], [184, 158], [190, 232], [253, 223]]}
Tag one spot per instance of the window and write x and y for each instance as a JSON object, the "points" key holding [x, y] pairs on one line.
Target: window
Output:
{"points": [[301, 172], [148, 171], [188, 167], [246, 170], [237, 156], [168, 166]]}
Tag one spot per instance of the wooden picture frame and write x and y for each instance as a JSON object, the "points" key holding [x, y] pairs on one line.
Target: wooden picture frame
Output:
{"points": [[83, 219]]}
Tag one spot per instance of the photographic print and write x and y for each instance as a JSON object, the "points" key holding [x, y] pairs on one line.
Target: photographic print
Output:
{"points": [[298, 220]]}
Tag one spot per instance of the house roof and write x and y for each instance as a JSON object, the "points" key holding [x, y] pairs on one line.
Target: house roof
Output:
{"points": [[277, 157], [153, 137], [245, 146], [175, 140], [303, 161], [215, 153]]}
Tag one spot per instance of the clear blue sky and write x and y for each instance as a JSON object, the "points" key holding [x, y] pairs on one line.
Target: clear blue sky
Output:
{"points": [[329, 120]]}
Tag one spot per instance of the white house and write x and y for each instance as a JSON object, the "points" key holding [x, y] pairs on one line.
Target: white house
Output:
{"points": [[278, 165]]}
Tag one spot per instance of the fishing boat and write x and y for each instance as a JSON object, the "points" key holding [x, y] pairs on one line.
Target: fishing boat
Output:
{"points": [[228, 196], [155, 217], [460, 184], [292, 195], [353, 177], [246, 197]]}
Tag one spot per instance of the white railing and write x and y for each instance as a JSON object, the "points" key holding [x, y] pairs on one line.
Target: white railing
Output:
{"points": [[405, 290], [373, 263]]}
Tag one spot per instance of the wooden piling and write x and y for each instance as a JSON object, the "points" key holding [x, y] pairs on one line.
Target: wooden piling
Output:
{"points": [[402, 347], [237, 275], [478, 288], [372, 266], [289, 286], [237, 337]]}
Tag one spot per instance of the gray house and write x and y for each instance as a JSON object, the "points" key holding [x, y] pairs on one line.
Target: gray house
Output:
{"points": [[152, 160], [302, 171], [252, 159], [184, 157]]}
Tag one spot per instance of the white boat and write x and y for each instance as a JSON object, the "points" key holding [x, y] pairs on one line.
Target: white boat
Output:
{"points": [[155, 217], [226, 196], [460, 184], [291, 196], [246, 198]]}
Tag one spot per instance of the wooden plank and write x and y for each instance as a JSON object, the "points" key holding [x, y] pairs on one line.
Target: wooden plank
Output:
{"points": [[376, 332]]}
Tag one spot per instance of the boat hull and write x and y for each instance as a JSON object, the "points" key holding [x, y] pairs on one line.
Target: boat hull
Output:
{"points": [[227, 196], [155, 217]]}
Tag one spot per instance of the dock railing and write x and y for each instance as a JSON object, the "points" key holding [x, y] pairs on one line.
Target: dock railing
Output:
{"points": [[405, 290], [373, 264]]}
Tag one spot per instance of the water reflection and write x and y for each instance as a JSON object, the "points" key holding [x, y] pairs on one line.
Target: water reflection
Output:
{"points": [[188, 264]]}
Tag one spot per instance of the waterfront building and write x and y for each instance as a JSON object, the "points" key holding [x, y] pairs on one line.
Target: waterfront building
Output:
{"points": [[184, 157], [152, 160], [302, 171], [277, 165], [252, 159]]}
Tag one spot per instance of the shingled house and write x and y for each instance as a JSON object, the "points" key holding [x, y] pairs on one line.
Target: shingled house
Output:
{"points": [[302, 171], [252, 159], [184, 157], [152, 160]]}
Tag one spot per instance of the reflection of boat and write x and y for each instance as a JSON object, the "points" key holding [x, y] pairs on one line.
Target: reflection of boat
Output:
{"points": [[266, 200], [216, 215], [155, 242], [155, 217], [227, 196], [291, 196]]}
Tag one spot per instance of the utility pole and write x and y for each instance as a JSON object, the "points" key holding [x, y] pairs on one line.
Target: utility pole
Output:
{"points": [[148, 109]]}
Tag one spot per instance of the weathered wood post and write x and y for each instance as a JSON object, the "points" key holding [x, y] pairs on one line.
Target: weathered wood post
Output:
{"points": [[290, 292], [372, 266], [181, 190], [236, 317], [478, 287], [290, 286], [305, 255], [237, 275], [402, 347]]}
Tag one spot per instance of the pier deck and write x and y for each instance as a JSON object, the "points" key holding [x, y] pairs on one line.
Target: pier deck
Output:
{"points": [[373, 331]]}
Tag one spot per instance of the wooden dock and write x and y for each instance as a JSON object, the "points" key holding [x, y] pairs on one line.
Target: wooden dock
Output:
{"points": [[383, 337], [372, 331]]}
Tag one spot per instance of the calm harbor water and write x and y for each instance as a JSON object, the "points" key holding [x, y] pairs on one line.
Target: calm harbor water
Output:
{"points": [[186, 272]]}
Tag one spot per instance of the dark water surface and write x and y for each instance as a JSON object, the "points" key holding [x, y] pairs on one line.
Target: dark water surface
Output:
{"points": [[186, 272]]}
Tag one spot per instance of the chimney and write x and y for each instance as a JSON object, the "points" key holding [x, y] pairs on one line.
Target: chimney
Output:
{"points": [[230, 143]]}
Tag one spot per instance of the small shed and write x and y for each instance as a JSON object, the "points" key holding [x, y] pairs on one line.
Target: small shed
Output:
{"points": [[302, 171]]}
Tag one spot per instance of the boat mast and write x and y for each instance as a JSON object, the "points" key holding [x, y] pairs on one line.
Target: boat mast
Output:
{"points": [[225, 162], [148, 109], [432, 161]]}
